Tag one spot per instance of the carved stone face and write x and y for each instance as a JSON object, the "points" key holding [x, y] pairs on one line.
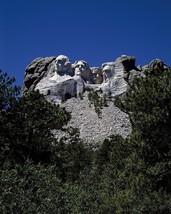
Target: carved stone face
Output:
{"points": [[62, 64], [82, 69], [107, 72], [97, 75]]}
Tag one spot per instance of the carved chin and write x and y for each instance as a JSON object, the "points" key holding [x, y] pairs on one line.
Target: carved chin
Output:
{"points": [[77, 72], [59, 68]]}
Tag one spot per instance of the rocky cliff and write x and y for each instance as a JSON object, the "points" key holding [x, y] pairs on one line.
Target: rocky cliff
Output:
{"points": [[69, 83]]}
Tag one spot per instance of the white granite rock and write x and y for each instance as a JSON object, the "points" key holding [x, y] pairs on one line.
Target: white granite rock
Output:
{"points": [[92, 128], [97, 75], [60, 80], [82, 69]]}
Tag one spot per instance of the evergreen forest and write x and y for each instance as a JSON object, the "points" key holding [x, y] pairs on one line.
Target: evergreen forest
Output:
{"points": [[40, 174]]}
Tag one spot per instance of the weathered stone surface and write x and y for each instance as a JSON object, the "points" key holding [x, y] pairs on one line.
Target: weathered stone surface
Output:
{"points": [[37, 70], [97, 75], [57, 90], [60, 80], [82, 69], [157, 64], [62, 66], [92, 128], [58, 84], [116, 75]]}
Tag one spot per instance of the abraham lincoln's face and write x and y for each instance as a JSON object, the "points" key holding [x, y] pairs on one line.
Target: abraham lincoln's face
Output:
{"points": [[107, 72]]}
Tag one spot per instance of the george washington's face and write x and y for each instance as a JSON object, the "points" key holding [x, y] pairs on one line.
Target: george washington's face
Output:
{"points": [[62, 64]]}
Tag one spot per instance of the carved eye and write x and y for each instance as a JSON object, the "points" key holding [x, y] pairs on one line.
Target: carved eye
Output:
{"points": [[59, 61]]}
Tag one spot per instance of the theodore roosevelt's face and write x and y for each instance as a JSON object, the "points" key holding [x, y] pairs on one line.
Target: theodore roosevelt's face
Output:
{"points": [[97, 75]]}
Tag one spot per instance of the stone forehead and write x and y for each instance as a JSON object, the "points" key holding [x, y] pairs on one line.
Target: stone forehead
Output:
{"points": [[106, 68], [96, 70], [81, 62], [111, 64], [62, 57]]}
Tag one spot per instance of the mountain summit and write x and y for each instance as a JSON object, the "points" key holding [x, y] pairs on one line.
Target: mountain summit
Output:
{"points": [[71, 84]]}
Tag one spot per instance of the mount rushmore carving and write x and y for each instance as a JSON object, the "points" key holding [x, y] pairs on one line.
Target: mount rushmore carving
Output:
{"points": [[58, 79]]}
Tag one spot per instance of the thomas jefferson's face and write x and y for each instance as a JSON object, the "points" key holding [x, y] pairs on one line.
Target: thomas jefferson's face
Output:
{"points": [[80, 67]]}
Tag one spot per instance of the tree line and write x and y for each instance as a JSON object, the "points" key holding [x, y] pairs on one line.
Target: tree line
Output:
{"points": [[41, 174]]}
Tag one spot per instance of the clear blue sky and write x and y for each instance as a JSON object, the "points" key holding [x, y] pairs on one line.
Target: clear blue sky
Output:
{"points": [[94, 30]]}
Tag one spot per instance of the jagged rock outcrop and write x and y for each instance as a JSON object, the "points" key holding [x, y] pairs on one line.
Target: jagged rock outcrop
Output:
{"points": [[57, 78], [37, 70], [63, 82]]}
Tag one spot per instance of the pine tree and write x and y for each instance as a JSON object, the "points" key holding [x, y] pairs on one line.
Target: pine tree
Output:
{"points": [[147, 168], [9, 94], [29, 125]]}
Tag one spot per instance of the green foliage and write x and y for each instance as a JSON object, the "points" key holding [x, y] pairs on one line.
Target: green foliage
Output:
{"points": [[97, 101], [39, 174], [148, 103], [28, 125], [72, 156], [111, 149], [148, 166], [8, 98], [105, 101], [8, 92], [34, 188], [80, 95]]}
